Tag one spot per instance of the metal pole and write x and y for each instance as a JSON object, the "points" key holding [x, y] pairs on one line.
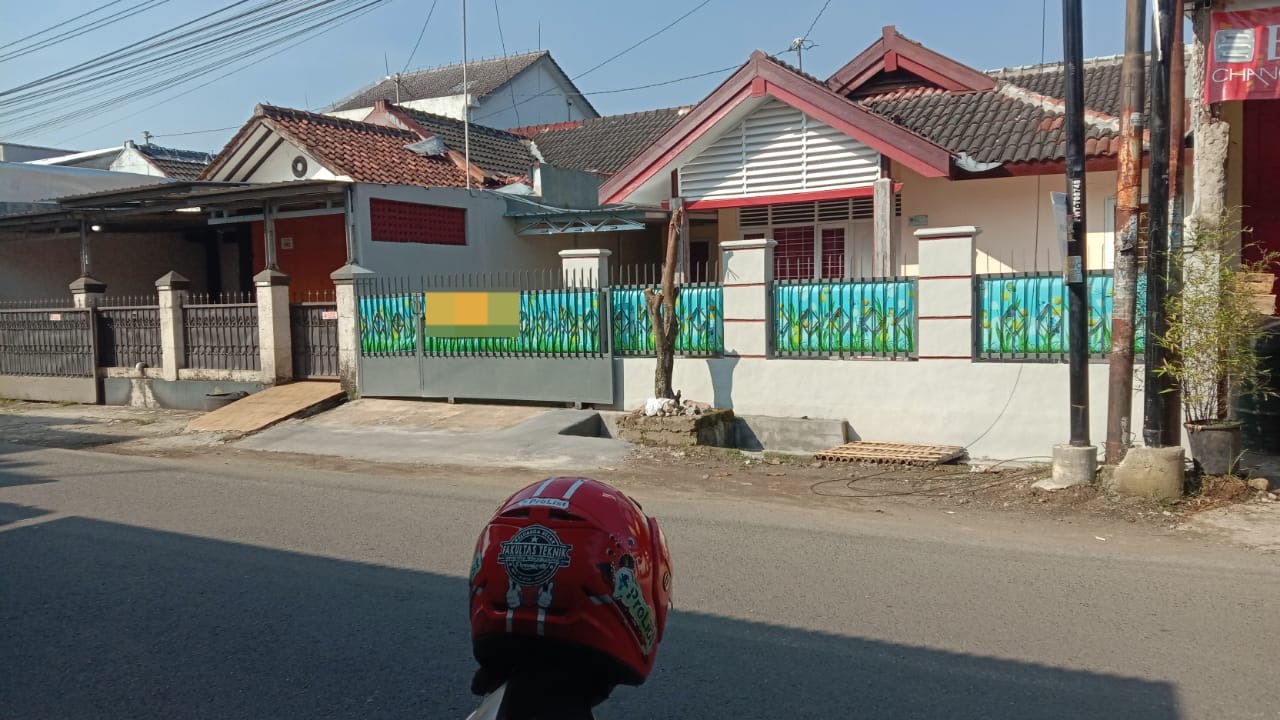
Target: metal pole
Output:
{"points": [[1075, 270], [1155, 386], [1128, 210], [466, 101], [86, 262], [1177, 142]]}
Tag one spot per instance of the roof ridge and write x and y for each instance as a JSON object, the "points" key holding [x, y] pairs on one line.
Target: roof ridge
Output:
{"points": [[1046, 67], [470, 62], [784, 64], [273, 111], [488, 129], [1044, 102]]}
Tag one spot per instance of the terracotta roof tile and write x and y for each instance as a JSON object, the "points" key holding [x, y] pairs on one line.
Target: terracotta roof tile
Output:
{"points": [[362, 151], [497, 152], [606, 144]]}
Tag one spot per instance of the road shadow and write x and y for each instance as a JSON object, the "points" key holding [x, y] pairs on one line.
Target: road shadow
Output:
{"points": [[9, 469], [102, 620], [55, 432]]}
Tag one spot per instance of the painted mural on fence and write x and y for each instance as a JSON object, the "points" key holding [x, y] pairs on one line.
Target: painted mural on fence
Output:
{"points": [[551, 322], [1028, 315], [860, 317], [388, 324], [697, 307]]}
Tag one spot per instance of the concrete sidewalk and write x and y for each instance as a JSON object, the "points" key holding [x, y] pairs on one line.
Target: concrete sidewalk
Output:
{"points": [[442, 434]]}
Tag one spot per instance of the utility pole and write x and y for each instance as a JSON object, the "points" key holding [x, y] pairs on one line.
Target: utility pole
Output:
{"points": [[1075, 270], [1077, 462], [1155, 385], [1128, 214], [1177, 143], [466, 101]]}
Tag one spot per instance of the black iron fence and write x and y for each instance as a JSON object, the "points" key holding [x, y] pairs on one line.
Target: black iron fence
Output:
{"points": [[50, 342], [314, 333], [128, 335], [221, 336]]}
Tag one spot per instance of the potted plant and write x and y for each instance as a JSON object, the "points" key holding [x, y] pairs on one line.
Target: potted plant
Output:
{"points": [[1213, 329]]}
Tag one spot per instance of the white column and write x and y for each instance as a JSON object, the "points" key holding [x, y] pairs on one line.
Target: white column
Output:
{"points": [[945, 302], [172, 290], [86, 292], [586, 268], [344, 283], [884, 223], [275, 342], [748, 271]]}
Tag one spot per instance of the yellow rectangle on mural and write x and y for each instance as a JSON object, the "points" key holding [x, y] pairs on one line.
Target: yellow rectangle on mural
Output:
{"points": [[471, 314]]}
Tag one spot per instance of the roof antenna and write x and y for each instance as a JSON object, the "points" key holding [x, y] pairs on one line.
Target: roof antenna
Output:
{"points": [[466, 101], [798, 46], [146, 137]]}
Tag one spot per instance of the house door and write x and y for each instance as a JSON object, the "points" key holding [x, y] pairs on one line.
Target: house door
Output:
{"points": [[1261, 191]]}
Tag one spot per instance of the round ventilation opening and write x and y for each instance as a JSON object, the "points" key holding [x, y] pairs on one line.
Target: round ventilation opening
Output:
{"points": [[299, 166]]}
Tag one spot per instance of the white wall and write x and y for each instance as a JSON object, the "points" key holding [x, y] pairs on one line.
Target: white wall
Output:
{"points": [[491, 240], [43, 266], [948, 402], [278, 166], [449, 106], [132, 161], [496, 110]]}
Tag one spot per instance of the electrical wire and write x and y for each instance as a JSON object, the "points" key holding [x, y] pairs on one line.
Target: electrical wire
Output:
{"points": [[75, 32], [814, 24], [421, 33], [506, 64], [55, 26], [216, 63], [195, 132], [610, 59]]}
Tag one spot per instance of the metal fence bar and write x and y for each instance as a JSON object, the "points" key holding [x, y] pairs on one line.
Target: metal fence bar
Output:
{"points": [[699, 310], [1022, 316], [57, 343], [128, 335], [314, 334], [221, 336], [844, 318]]}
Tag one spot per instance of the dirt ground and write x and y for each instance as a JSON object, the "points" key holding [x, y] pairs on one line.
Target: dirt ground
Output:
{"points": [[788, 479]]}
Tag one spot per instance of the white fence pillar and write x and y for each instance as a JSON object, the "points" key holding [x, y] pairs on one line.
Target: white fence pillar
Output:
{"points": [[344, 283], [945, 304], [87, 292], [275, 341], [172, 291], [590, 268], [748, 271]]}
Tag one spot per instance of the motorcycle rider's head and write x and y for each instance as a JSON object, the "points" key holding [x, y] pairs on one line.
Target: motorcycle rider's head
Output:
{"points": [[570, 586]]}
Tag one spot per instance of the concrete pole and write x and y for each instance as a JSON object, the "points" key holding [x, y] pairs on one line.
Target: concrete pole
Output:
{"points": [[884, 221], [1177, 144], [269, 235], [1128, 210], [748, 272]]}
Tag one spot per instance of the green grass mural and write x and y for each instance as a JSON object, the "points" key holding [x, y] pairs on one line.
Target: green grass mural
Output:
{"points": [[854, 317]]}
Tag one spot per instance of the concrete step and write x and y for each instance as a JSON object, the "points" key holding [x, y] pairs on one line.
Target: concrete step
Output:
{"points": [[264, 409]]}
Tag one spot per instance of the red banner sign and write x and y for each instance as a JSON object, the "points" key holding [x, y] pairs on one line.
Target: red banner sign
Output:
{"points": [[1244, 60]]}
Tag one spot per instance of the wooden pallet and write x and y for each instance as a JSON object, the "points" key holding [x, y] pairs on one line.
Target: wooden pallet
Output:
{"points": [[893, 453]]}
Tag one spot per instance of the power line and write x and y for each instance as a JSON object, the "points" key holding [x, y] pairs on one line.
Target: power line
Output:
{"points": [[506, 64], [613, 57], [218, 58], [55, 26], [421, 32], [195, 132], [814, 24]]}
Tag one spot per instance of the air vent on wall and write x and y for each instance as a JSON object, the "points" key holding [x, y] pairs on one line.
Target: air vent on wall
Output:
{"points": [[299, 167]]}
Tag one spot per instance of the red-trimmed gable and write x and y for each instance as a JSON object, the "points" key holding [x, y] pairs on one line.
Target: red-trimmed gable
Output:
{"points": [[894, 62], [763, 76]]}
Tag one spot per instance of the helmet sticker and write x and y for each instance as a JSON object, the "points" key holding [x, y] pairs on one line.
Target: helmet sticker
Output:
{"points": [[628, 595], [533, 555], [475, 565], [544, 502]]}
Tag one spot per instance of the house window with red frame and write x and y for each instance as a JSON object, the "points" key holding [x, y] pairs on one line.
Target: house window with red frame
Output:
{"points": [[793, 255], [406, 222]]}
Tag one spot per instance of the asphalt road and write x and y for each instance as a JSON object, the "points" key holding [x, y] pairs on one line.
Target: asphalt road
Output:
{"points": [[136, 587]]}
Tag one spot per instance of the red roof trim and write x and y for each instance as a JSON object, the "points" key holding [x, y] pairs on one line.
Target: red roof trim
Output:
{"points": [[839, 194], [900, 144], [895, 52]]}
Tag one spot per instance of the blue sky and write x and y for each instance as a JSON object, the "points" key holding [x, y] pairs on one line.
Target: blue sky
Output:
{"points": [[579, 33]]}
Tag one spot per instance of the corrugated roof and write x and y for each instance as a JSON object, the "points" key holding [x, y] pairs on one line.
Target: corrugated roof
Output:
{"points": [[175, 163]]}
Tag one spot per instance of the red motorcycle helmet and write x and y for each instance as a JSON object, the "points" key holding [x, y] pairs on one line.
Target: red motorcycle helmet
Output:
{"points": [[570, 567]]}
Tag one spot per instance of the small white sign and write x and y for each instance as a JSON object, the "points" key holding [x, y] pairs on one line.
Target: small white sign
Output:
{"points": [[329, 315], [55, 316], [286, 243]]}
